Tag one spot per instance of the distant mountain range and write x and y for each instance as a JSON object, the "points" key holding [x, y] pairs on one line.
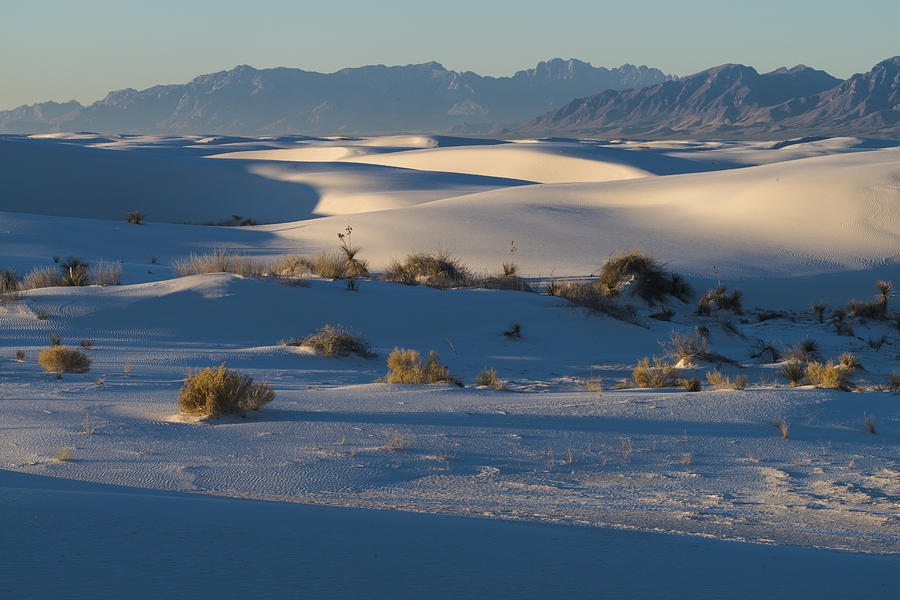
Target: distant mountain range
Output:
{"points": [[372, 99], [734, 100]]}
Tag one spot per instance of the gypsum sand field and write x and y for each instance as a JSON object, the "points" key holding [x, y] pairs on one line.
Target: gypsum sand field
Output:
{"points": [[814, 226]]}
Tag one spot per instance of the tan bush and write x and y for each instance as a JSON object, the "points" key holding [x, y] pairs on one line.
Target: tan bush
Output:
{"points": [[220, 391], [106, 273], [488, 378], [220, 261], [333, 342], [42, 277], [827, 375], [406, 366], [62, 359], [659, 375], [723, 382], [439, 270], [330, 265], [792, 371]]}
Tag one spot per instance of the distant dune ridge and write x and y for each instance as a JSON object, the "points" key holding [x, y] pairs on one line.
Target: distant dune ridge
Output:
{"points": [[371, 99]]}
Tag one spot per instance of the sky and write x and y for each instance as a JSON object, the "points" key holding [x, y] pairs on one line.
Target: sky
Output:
{"points": [[61, 50]]}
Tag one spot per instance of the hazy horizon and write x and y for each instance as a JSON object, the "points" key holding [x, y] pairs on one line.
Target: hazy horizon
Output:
{"points": [[80, 52]]}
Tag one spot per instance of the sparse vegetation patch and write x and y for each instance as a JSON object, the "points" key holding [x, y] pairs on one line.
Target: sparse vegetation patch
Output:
{"points": [[407, 366], [220, 391], [333, 342]]}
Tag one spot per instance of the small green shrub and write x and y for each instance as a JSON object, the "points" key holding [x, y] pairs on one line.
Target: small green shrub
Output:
{"points": [[62, 359], [220, 391], [659, 375], [827, 375], [406, 366], [333, 342], [792, 371], [439, 270]]}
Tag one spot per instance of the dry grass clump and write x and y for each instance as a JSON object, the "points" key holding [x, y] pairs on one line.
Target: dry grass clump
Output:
{"points": [[865, 309], [691, 384], [803, 351], [293, 265], [869, 422], [720, 299], [64, 454], [74, 271], [766, 348], [62, 359], [643, 275], [220, 391], [658, 375], [507, 279], [849, 361], [439, 270], [10, 286], [42, 277], [135, 216], [488, 378], [894, 382], [333, 342], [20, 355], [106, 273], [793, 371], [721, 381], [329, 265], [219, 261], [590, 296], [406, 366], [396, 442], [827, 375]]}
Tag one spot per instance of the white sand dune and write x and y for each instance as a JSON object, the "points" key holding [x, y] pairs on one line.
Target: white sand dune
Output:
{"points": [[596, 478]]}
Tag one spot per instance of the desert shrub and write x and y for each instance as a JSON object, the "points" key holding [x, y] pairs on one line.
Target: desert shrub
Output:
{"points": [[865, 309], [221, 391], [659, 375], [10, 285], [135, 216], [488, 378], [720, 299], [62, 359], [687, 349], [293, 266], [219, 261], [885, 291], [106, 273], [514, 332], [507, 279], [764, 349], [876, 343], [42, 315], [591, 296], [55, 340], [439, 270], [793, 371], [643, 274], [333, 342], [87, 343], [722, 381], [691, 384], [42, 277], [894, 382], [330, 265], [20, 355], [827, 375], [356, 267], [805, 350], [74, 271], [406, 366], [849, 361], [818, 309]]}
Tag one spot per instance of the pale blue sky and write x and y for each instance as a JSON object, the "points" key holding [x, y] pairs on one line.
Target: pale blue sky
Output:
{"points": [[65, 49]]}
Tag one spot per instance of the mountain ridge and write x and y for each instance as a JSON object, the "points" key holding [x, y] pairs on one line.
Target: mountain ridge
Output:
{"points": [[353, 100]]}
